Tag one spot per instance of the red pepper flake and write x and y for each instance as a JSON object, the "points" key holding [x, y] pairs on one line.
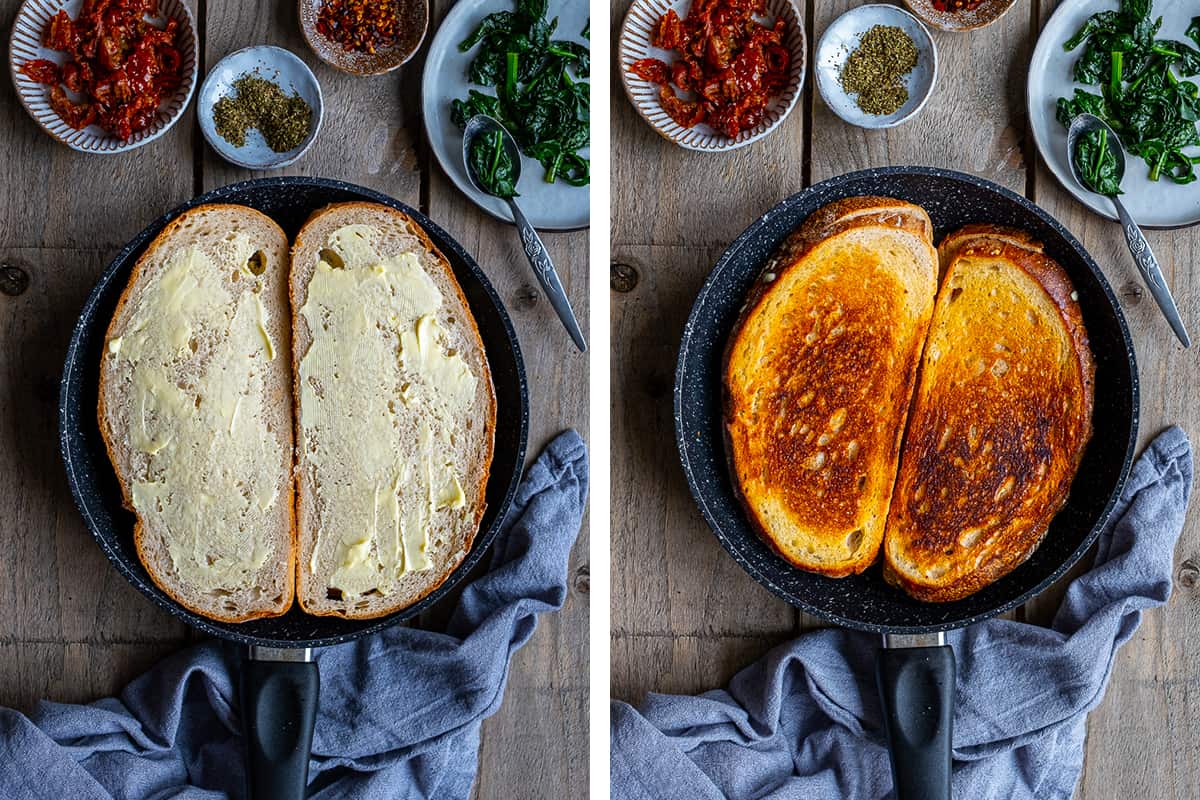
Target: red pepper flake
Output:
{"points": [[952, 6], [362, 25], [729, 64], [121, 65]]}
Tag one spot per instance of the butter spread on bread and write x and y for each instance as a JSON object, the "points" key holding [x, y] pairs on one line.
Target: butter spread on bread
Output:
{"points": [[999, 421], [189, 389], [395, 412], [818, 375], [358, 390]]}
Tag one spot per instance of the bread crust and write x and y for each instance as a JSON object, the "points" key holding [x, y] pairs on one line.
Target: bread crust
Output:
{"points": [[1025, 253], [298, 323], [109, 436], [823, 224]]}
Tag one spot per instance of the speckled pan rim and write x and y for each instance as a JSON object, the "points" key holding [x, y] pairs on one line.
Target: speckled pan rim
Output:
{"points": [[32, 95], [74, 372], [696, 329], [944, 21], [633, 43]]}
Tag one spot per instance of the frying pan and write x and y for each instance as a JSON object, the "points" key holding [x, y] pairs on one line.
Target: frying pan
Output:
{"points": [[915, 669], [279, 680]]}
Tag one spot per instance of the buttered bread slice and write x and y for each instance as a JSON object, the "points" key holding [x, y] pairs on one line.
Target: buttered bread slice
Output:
{"points": [[194, 406], [395, 413], [818, 375], [999, 421]]}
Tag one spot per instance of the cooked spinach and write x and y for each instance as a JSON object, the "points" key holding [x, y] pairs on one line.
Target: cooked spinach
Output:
{"points": [[1152, 108], [540, 92], [1097, 163], [491, 164]]}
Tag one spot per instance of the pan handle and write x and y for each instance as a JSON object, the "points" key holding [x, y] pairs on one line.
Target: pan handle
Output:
{"points": [[279, 710], [916, 688]]}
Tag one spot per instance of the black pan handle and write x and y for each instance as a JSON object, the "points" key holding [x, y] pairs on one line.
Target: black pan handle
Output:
{"points": [[279, 710], [916, 687]]}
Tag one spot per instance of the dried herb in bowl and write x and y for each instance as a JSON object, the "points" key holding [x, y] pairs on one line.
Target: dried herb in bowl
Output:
{"points": [[541, 97], [875, 70], [284, 121]]}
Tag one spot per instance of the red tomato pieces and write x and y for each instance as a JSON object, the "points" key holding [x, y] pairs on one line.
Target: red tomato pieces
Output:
{"points": [[730, 62], [122, 65]]}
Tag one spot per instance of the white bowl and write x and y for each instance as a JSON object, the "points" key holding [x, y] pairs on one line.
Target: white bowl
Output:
{"points": [[26, 45], [841, 39], [277, 65], [634, 44]]}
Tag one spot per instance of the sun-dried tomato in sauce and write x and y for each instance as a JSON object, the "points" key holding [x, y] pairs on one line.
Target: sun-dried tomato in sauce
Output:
{"points": [[122, 66], [730, 65]]}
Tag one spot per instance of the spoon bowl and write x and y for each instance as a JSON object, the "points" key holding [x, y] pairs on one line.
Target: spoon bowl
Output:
{"points": [[477, 126], [1083, 125]]}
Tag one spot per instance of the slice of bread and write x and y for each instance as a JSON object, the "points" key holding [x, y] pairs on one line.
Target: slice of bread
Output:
{"points": [[194, 407], [999, 421], [818, 375], [395, 413]]}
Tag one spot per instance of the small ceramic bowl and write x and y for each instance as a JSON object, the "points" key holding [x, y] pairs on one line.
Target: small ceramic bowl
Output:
{"points": [[982, 15], [414, 13], [841, 39], [634, 44], [277, 65], [26, 45]]}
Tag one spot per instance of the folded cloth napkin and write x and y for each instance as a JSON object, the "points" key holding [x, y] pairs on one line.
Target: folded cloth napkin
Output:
{"points": [[804, 722], [400, 711]]}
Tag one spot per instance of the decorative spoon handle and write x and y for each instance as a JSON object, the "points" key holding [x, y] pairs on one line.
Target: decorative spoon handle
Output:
{"points": [[1147, 264], [543, 268]]}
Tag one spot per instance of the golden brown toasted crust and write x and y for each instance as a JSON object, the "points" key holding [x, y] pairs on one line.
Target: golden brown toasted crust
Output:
{"points": [[836, 379], [108, 435], [991, 450], [298, 303]]}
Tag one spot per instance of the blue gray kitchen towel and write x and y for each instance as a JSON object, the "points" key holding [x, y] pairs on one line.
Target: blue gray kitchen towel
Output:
{"points": [[804, 721], [400, 711]]}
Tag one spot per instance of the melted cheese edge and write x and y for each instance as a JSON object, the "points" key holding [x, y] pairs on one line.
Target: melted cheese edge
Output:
{"points": [[210, 466], [381, 397]]}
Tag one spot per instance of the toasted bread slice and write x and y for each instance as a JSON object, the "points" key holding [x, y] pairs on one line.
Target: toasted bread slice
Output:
{"points": [[195, 409], [818, 375], [1000, 418], [395, 413]]}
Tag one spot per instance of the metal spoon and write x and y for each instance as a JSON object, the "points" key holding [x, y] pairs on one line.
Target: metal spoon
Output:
{"points": [[531, 243], [1139, 248]]}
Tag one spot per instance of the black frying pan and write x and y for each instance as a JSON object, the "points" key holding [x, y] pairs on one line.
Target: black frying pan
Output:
{"points": [[916, 683], [279, 680]]}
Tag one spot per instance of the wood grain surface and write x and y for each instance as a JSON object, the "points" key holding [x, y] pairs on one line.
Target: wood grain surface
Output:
{"points": [[71, 628], [685, 617]]}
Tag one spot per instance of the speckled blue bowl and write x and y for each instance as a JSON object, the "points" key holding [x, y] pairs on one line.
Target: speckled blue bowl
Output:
{"points": [[865, 601], [283, 68], [288, 201]]}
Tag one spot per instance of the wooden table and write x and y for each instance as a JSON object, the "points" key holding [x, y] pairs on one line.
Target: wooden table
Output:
{"points": [[71, 628], [685, 617]]}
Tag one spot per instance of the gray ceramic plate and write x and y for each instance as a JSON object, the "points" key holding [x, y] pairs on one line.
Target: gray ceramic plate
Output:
{"points": [[1160, 204], [550, 207], [275, 64], [841, 38]]}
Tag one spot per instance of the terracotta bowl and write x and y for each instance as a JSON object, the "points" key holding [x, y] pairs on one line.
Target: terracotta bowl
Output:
{"points": [[634, 44], [983, 15], [26, 45], [415, 14]]}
